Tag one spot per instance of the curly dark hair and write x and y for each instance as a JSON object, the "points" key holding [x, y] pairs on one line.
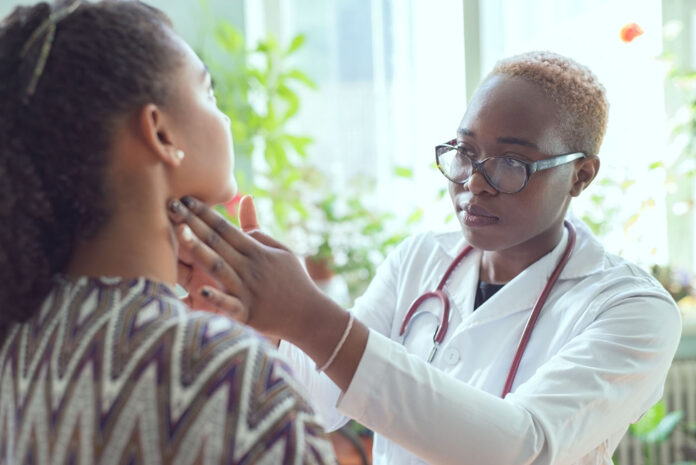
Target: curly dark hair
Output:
{"points": [[108, 59]]}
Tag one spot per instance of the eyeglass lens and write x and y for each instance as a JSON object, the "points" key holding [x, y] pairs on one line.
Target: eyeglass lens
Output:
{"points": [[505, 174]]}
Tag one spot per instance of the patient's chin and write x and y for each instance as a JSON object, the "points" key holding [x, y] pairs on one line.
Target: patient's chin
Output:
{"points": [[223, 196]]}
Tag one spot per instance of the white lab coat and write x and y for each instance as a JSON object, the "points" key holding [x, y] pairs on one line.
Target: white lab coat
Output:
{"points": [[596, 361]]}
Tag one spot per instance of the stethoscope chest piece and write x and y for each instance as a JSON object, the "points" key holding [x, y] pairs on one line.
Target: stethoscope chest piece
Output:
{"points": [[429, 314]]}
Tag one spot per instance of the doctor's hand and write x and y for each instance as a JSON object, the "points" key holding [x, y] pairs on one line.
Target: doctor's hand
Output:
{"points": [[250, 277], [191, 276], [261, 283]]}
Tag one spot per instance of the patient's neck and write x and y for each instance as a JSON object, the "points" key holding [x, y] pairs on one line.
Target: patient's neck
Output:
{"points": [[136, 241]]}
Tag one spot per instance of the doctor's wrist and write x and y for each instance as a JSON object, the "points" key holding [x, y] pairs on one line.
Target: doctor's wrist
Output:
{"points": [[325, 333]]}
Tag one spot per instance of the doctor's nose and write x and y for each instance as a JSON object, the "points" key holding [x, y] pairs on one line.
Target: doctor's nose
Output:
{"points": [[477, 184]]}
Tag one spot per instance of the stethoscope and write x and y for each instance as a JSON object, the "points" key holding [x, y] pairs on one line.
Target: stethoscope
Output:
{"points": [[440, 294]]}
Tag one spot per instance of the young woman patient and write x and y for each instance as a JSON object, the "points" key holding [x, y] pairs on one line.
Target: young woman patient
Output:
{"points": [[104, 114]]}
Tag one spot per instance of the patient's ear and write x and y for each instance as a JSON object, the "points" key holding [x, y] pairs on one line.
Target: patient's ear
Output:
{"points": [[157, 133], [585, 170]]}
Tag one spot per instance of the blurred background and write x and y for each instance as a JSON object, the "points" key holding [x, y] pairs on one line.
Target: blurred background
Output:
{"points": [[336, 107]]}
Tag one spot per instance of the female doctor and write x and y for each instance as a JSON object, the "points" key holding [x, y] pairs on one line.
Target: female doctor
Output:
{"points": [[518, 341]]}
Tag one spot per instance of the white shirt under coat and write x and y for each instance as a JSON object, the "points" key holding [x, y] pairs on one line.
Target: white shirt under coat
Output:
{"points": [[596, 361]]}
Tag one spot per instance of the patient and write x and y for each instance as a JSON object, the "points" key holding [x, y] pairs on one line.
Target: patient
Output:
{"points": [[105, 113]]}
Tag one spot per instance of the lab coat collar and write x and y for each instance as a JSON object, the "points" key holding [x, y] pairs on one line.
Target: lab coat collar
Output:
{"points": [[587, 257], [522, 292]]}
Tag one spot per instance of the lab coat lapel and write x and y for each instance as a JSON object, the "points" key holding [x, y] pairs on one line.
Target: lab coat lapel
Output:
{"points": [[518, 295], [461, 287]]}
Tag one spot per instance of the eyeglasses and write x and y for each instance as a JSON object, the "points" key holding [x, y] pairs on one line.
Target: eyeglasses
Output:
{"points": [[507, 173]]}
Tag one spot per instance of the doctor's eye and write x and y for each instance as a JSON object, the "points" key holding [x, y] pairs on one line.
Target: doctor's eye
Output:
{"points": [[512, 162], [465, 151]]}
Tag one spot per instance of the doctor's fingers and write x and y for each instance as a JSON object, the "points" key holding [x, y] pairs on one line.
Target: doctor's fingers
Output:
{"points": [[225, 304], [220, 266], [180, 215], [219, 225], [231, 300]]}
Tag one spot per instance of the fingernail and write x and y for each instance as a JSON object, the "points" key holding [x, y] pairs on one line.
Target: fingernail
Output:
{"points": [[175, 207], [186, 234], [206, 293], [188, 201]]}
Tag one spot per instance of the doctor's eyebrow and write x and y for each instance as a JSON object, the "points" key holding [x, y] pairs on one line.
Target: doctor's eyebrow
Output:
{"points": [[465, 132], [516, 141]]}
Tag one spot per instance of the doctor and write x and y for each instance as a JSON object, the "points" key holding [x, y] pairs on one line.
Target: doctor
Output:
{"points": [[551, 346]]}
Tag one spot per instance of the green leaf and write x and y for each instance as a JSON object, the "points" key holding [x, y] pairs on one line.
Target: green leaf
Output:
{"points": [[275, 155], [415, 217], [372, 229], [403, 172], [267, 46], [628, 183], [293, 102], [229, 37], [664, 429], [296, 43], [655, 165], [299, 76], [260, 76], [649, 420], [299, 143]]}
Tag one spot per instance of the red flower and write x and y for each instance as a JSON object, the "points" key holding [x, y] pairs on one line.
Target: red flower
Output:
{"points": [[233, 205], [630, 31]]}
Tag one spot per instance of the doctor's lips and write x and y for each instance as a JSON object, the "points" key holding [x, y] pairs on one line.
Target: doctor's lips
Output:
{"points": [[473, 215]]}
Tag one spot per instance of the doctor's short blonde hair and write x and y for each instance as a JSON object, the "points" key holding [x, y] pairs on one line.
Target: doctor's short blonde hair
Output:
{"points": [[573, 87]]}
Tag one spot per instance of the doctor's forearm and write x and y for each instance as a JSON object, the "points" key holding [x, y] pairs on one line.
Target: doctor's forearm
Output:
{"points": [[437, 417], [319, 335]]}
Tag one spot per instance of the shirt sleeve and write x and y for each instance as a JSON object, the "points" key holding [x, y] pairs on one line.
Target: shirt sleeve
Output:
{"points": [[601, 381]]}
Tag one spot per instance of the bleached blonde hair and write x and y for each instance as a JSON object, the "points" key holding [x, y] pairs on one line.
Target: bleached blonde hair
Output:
{"points": [[573, 87]]}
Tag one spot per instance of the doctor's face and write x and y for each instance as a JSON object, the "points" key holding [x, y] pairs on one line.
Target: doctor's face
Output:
{"points": [[512, 116]]}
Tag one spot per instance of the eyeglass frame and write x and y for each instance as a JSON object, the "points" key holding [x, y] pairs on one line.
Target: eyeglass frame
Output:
{"points": [[530, 167]]}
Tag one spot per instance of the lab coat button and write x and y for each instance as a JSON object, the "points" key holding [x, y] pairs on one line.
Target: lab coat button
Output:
{"points": [[451, 356]]}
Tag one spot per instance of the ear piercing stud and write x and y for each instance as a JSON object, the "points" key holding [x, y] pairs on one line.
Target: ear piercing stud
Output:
{"points": [[180, 155]]}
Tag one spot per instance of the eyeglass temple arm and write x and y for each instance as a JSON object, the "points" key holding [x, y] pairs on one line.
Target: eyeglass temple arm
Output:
{"points": [[547, 163]]}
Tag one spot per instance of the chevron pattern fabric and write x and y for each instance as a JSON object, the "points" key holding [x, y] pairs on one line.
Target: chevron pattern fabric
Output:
{"points": [[114, 371]]}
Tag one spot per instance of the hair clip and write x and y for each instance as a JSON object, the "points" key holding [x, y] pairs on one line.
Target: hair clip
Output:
{"points": [[48, 27]]}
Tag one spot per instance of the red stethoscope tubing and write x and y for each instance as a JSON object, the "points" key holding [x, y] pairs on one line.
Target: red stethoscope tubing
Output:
{"points": [[439, 293]]}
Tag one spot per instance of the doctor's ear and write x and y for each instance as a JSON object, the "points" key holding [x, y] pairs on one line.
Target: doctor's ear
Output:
{"points": [[158, 135], [584, 171]]}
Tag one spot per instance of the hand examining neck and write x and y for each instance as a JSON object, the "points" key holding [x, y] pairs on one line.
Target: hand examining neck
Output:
{"points": [[262, 283]]}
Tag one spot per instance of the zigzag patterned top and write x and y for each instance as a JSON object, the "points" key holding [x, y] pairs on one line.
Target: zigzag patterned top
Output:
{"points": [[114, 371]]}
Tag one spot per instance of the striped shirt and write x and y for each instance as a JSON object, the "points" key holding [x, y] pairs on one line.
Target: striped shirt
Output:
{"points": [[115, 371]]}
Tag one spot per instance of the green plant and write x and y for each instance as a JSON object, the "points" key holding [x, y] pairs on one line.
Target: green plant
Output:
{"points": [[331, 221], [654, 427], [349, 232], [257, 89]]}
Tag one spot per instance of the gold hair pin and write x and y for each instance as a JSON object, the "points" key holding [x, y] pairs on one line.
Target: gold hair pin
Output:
{"points": [[49, 28]]}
